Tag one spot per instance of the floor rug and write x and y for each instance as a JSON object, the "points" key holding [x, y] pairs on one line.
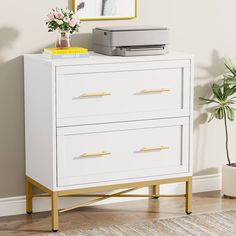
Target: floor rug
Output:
{"points": [[209, 224]]}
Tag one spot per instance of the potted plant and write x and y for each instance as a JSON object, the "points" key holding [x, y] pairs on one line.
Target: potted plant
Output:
{"points": [[65, 22], [222, 108]]}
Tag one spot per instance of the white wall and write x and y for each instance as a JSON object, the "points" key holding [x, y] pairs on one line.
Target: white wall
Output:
{"points": [[204, 28]]}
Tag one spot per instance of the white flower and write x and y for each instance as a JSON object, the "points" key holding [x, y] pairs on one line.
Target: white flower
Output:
{"points": [[74, 16], [67, 11], [66, 19], [59, 22]]}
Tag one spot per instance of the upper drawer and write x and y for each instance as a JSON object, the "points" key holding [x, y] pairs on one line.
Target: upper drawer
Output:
{"points": [[118, 92]]}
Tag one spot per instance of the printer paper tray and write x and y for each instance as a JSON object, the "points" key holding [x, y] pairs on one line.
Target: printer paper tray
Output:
{"points": [[142, 50]]}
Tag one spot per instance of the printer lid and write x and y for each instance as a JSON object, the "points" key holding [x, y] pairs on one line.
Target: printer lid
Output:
{"points": [[131, 28]]}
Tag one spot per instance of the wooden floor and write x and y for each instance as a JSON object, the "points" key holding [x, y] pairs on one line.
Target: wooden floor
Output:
{"points": [[119, 213]]}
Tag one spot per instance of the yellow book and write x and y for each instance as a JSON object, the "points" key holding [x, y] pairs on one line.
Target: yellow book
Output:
{"points": [[71, 50]]}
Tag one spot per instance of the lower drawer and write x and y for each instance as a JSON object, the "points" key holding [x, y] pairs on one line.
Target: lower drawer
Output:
{"points": [[108, 152]]}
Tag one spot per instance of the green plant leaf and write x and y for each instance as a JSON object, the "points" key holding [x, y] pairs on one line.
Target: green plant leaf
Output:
{"points": [[219, 113], [216, 89], [230, 80], [228, 91], [229, 65], [213, 114], [230, 113], [208, 101]]}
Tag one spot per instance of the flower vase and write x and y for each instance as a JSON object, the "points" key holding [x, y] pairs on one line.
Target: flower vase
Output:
{"points": [[63, 40]]}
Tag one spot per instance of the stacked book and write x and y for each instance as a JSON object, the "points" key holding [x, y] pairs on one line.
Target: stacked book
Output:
{"points": [[60, 53]]}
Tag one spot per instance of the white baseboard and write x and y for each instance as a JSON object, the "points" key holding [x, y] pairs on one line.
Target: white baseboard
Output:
{"points": [[16, 205]]}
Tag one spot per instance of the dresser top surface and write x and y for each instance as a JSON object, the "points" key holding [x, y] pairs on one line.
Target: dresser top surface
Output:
{"points": [[99, 58]]}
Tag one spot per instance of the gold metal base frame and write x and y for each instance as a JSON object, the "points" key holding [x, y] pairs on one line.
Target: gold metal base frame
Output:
{"points": [[100, 197]]}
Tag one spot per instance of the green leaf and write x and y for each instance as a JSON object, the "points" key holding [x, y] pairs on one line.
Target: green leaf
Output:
{"points": [[208, 101], [216, 114], [228, 91], [229, 102], [230, 113], [216, 89], [229, 65], [219, 113], [212, 116], [230, 80]]}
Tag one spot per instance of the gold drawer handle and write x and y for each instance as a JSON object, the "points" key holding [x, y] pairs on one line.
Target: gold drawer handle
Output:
{"points": [[156, 90], [95, 154], [145, 149], [95, 94]]}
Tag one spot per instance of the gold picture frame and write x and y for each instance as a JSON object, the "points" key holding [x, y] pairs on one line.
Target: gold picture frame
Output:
{"points": [[74, 6]]}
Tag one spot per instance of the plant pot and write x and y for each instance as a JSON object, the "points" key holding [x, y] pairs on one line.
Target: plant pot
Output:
{"points": [[229, 180], [63, 40]]}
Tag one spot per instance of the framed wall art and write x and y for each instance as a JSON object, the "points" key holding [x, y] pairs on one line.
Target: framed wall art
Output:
{"points": [[106, 9]]}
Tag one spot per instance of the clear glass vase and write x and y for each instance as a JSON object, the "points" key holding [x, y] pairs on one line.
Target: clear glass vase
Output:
{"points": [[63, 40]]}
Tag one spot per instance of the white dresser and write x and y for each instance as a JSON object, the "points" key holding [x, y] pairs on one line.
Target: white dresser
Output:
{"points": [[104, 123]]}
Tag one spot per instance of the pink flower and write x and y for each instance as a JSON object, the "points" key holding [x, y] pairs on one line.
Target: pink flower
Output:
{"points": [[50, 18], [73, 22], [59, 15]]}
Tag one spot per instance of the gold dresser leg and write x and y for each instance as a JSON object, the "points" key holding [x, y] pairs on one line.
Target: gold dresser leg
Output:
{"points": [[189, 196], [156, 190], [54, 199], [28, 188]]}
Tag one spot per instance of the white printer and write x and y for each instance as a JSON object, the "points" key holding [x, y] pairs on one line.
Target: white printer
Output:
{"points": [[131, 41]]}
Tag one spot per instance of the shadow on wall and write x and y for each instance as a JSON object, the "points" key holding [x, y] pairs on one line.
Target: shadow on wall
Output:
{"points": [[8, 36], [11, 117], [208, 171], [12, 127], [213, 72], [12, 158]]}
